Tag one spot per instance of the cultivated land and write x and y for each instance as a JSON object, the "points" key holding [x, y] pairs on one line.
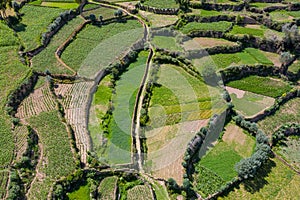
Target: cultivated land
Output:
{"points": [[118, 100]]}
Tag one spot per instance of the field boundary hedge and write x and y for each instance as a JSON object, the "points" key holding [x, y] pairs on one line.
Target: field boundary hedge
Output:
{"points": [[218, 7], [164, 11]]}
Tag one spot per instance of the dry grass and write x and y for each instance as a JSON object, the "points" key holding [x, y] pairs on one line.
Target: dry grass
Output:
{"points": [[203, 42]]}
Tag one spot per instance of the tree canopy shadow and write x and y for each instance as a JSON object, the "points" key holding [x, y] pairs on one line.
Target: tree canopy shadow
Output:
{"points": [[259, 181], [20, 27]]}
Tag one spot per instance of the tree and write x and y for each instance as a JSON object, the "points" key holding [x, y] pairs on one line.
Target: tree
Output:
{"points": [[285, 58], [100, 18], [184, 4], [92, 17], [118, 13]]}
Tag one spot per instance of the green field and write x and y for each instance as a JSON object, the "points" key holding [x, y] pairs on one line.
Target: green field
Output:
{"points": [[188, 100], [214, 26], [107, 188], [62, 5], [217, 166], [262, 85], [288, 113], [255, 30], [161, 4], [295, 67], [46, 59], [167, 43], [274, 181], [83, 193], [251, 104], [106, 13], [12, 73], [56, 148], [119, 138], [88, 53], [290, 151], [284, 16], [35, 22], [248, 56]]}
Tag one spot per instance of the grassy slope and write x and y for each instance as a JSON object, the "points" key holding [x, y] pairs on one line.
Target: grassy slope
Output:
{"points": [[46, 59], [56, 152], [35, 22], [288, 113], [168, 43], [89, 53], [106, 188], [161, 4], [261, 85], [11, 73], [214, 26], [83, 193], [274, 181]]}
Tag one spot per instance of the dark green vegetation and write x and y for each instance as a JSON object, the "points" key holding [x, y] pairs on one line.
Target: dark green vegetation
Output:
{"points": [[262, 85]]}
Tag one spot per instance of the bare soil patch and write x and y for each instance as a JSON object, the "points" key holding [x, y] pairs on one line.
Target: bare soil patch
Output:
{"points": [[239, 93], [234, 133], [203, 42]]}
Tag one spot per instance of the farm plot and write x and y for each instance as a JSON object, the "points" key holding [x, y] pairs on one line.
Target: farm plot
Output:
{"points": [[248, 56], [295, 67], [176, 112], [204, 42], [267, 86], [100, 105], [221, 26], [108, 188], [75, 99], [83, 193], [46, 60], [34, 22], [255, 30], [139, 192], [93, 54], [4, 176], [12, 72], [56, 159], [217, 166], [106, 13], [41, 100], [288, 113], [166, 42], [161, 4], [290, 151], [204, 13], [190, 100], [273, 181], [248, 103], [284, 16], [119, 144], [62, 5], [158, 20], [20, 134]]}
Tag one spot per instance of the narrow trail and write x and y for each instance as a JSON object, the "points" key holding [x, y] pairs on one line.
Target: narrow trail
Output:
{"points": [[135, 127]]}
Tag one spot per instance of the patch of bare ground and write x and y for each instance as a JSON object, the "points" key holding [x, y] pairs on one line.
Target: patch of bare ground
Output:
{"points": [[239, 93], [204, 42], [254, 26], [274, 58], [234, 133], [166, 147]]}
